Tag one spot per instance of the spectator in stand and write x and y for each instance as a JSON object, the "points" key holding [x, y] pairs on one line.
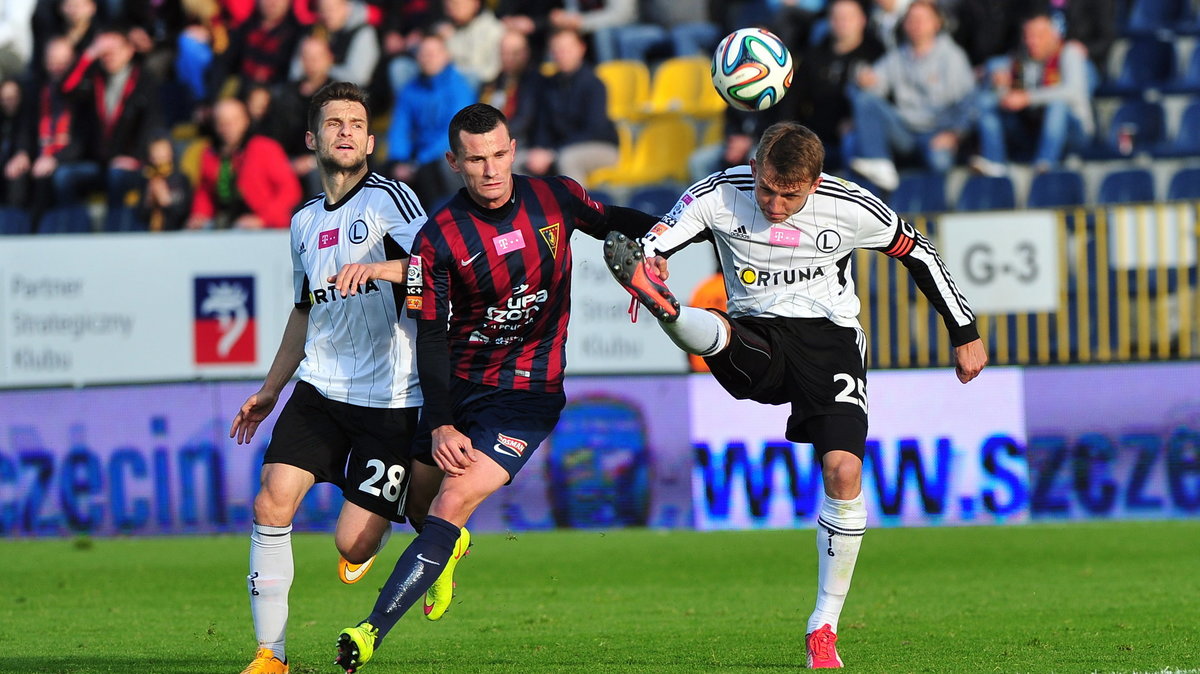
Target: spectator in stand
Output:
{"points": [[1039, 100], [530, 18], [245, 181], [818, 97], [74, 20], [886, 19], [514, 91], [417, 140], [16, 39], [592, 19], [572, 134], [16, 145], [917, 98], [403, 29], [53, 116], [1092, 23], [793, 21], [986, 28], [117, 104], [204, 38], [154, 30], [353, 42], [167, 195], [736, 148], [472, 35], [260, 50], [288, 106]]}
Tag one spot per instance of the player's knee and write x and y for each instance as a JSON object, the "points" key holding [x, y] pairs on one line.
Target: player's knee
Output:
{"points": [[272, 509], [356, 548], [843, 476]]}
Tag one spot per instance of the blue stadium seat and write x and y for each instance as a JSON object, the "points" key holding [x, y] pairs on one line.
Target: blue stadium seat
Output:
{"points": [[1149, 64], [1147, 17], [1125, 186], [655, 200], [1144, 122], [1185, 184], [1056, 189], [923, 192], [1186, 142], [987, 193], [1186, 81], [65, 220], [14, 221]]}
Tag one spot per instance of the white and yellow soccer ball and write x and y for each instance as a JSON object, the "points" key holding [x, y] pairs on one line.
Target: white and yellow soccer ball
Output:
{"points": [[752, 69]]}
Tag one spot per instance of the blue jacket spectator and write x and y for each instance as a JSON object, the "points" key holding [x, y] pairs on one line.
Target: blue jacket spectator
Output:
{"points": [[417, 141]]}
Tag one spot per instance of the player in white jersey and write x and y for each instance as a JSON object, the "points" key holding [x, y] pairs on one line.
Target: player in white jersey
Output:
{"points": [[785, 233], [352, 415]]}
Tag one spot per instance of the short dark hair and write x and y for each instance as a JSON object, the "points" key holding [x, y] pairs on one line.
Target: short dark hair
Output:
{"points": [[336, 91], [476, 118], [793, 151]]}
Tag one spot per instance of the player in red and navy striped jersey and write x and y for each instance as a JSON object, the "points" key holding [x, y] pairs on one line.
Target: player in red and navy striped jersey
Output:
{"points": [[508, 278], [489, 282]]}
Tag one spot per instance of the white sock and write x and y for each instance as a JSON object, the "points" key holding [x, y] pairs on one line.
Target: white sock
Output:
{"points": [[697, 331], [840, 530], [270, 579]]}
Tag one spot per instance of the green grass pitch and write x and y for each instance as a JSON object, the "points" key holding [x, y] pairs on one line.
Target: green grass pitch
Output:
{"points": [[1106, 597]]}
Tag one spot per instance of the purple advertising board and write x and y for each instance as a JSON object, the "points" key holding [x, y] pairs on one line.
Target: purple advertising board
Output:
{"points": [[158, 459], [1114, 441]]}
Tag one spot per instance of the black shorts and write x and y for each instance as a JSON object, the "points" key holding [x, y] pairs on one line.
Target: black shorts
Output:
{"points": [[362, 450], [813, 364], [505, 424]]}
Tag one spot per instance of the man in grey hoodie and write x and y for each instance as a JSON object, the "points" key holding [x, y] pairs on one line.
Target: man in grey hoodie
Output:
{"points": [[918, 97]]}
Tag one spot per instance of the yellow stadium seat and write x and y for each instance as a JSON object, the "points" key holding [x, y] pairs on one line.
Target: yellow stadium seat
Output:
{"points": [[659, 154], [683, 85], [628, 85]]}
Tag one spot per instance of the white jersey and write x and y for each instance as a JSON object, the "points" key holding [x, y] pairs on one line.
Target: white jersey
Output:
{"points": [[359, 348], [801, 267]]}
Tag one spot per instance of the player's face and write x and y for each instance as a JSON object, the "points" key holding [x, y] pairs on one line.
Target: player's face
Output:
{"points": [[341, 141], [485, 161], [777, 201]]}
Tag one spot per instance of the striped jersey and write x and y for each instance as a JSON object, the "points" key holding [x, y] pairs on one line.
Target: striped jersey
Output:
{"points": [[359, 348], [801, 268], [504, 284]]}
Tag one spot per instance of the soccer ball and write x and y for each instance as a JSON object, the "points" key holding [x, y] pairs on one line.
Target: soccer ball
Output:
{"points": [[752, 69]]}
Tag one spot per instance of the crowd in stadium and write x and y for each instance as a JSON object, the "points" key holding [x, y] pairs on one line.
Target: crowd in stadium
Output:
{"points": [[128, 115]]}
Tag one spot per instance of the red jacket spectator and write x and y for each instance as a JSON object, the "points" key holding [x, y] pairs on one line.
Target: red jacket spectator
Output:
{"points": [[263, 179]]}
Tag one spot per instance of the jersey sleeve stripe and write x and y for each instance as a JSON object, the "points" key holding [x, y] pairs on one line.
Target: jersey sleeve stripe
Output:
{"points": [[714, 181], [931, 275], [871, 204], [308, 203], [410, 210]]}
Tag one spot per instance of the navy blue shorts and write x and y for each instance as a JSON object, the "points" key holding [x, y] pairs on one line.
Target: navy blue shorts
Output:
{"points": [[505, 424]]}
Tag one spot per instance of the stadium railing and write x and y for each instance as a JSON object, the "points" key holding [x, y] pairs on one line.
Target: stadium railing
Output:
{"points": [[1127, 292]]}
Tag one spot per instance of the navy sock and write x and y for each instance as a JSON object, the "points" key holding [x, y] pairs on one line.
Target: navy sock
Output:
{"points": [[421, 564]]}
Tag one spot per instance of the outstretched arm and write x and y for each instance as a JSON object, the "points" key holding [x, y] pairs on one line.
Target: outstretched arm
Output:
{"points": [[259, 405]]}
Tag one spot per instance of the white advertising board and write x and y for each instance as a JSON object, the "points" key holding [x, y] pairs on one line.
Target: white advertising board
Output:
{"points": [[130, 308], [1004, 262], [938, 452], [93, 309], [603, 340]]}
